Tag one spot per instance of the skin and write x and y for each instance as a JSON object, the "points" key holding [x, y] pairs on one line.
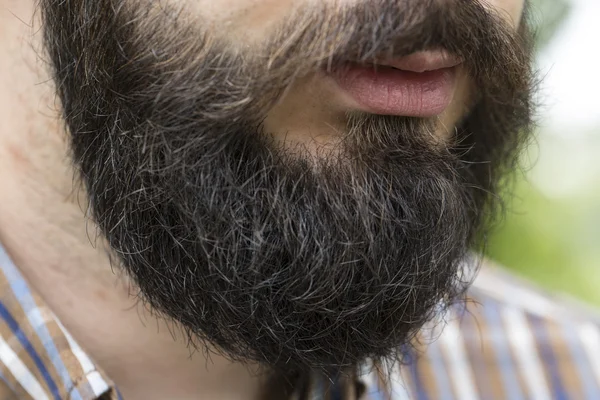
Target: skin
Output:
{"points": [[44, 229]]}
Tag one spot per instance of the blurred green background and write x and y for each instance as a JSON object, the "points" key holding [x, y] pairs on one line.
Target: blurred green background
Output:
{"points": [[551, 233]]}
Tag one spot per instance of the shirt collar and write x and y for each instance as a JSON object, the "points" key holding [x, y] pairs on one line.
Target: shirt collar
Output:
{"points": [[39, 359]]}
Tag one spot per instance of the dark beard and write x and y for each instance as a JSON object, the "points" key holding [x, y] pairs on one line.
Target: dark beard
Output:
{"points": [[269, 257]]}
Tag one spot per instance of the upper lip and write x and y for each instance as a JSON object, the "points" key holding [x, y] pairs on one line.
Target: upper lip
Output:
{"points": [[422, 61]]}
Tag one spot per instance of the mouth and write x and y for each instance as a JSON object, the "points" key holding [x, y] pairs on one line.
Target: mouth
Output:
{"points": [[419, 85]]}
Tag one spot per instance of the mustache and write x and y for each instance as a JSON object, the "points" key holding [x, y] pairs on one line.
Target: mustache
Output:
{"points": [[177, 52], [329, 34]]}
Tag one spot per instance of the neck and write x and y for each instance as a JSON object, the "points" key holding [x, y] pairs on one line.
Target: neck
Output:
{"points": [[44, 229]]}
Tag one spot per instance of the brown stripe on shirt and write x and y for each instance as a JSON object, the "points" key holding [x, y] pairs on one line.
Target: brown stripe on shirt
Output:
{"points": [[478, 339], [27, 331], [556, 360]]}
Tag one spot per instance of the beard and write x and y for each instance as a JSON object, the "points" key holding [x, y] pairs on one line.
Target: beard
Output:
{"points": [[268, 255]]}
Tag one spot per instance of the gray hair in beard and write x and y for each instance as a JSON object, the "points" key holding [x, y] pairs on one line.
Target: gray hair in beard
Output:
{"points": [[268, 257]]}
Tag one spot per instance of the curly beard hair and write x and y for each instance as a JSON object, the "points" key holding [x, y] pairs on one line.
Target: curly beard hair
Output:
{"points": [[271, 257]]}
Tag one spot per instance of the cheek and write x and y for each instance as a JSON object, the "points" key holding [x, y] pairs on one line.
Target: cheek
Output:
{"points": [[243, 20], [460, 107], [511, 10]]}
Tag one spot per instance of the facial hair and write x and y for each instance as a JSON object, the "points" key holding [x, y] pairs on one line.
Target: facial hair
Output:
{"points": [[292, 263]]}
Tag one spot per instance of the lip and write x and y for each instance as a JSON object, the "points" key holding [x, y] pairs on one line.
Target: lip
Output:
{"points": [[419, 85], [423, 61]]}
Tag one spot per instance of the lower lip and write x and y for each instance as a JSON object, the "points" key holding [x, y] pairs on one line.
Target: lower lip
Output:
{"points": [[389, 91]]}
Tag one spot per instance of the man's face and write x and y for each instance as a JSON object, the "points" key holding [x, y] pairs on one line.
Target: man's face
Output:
{"points": [[295, 182]]}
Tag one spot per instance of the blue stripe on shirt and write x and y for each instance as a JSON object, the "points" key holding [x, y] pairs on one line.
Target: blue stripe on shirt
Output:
{"points": [[546, 351], [581, 362], [23, 294], [411, 359], [18, 332], [440, 371], [502, 351]]}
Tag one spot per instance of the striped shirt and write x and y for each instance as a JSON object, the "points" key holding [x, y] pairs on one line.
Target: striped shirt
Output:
{"points": [[509, 341]]}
